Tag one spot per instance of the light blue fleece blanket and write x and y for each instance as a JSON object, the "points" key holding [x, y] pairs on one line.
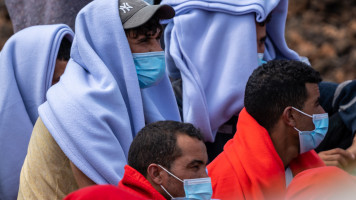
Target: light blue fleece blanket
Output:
{"points": [[27, 64], [212, 46], [97, 107]]}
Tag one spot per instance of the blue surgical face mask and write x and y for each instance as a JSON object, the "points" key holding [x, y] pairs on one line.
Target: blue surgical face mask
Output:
{"points": [[311, 139], [198, 188], [260, 59], [150, 68], [149, 1]]}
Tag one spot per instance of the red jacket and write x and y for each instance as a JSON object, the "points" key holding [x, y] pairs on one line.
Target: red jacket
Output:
{"points": [[107, 192], [250, 168], [132, 186], [136, 183]]}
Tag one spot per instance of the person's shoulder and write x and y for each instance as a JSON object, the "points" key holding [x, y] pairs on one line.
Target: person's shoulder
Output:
{"points": [[220, 168], [224, 181], [40, 126], [102, 192]]}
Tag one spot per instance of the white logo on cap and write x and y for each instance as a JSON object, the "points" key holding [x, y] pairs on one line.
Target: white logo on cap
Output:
{"points": [[125, 7]]}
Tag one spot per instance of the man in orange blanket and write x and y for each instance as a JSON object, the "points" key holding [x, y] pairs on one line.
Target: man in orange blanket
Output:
{"points": [[167, 159], [281, 124]]}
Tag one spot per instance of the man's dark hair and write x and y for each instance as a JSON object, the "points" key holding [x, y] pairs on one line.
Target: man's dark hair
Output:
{"points": [[157, 143], [266, 21], [157, 2], [276, 85], [64, 49], [149, 28]]}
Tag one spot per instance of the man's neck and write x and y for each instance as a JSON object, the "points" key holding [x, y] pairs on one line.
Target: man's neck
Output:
{"points": [[285, 142]]}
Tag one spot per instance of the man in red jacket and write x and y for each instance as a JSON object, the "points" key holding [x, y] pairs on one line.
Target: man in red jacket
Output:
{"points": [[281, 124], [166, 159]]}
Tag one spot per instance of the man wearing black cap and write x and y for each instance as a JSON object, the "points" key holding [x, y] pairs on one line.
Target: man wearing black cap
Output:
{"points": [[116, 83]]}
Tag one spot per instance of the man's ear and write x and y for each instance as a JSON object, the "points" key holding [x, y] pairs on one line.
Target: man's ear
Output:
{"points": [[288, 116], [154, 172]]}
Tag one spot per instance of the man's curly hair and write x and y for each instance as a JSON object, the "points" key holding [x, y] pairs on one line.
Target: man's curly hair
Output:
{"points": [[276, 85]]}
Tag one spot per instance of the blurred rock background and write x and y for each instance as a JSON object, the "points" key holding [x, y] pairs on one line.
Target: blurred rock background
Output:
{"points": [[5, 24], [324, 31]]}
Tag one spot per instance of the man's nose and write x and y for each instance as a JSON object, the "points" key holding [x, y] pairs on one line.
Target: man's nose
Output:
{"points": [[204, 174], [156, 46], [261, 48], [321, 109]]}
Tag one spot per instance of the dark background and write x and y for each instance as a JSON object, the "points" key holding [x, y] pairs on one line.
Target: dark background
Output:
{"points": [[324, 31]]}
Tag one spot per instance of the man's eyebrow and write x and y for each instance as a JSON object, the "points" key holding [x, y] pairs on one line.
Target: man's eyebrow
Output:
{"points": [[196, 162]]}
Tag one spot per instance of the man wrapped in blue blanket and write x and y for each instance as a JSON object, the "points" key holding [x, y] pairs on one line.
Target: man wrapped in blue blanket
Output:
{"points": [[31, 61], [212, 48]]}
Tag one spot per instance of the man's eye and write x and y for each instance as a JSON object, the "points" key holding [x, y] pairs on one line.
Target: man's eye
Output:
{"points": [[317, 102], [143, 40], [196, 167]]}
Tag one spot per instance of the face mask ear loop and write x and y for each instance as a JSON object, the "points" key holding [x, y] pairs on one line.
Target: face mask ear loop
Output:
{"points": [[297, 130], [166, 191], [302, 112], [170, 173]]}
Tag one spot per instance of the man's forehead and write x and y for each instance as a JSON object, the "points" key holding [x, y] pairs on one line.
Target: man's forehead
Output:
{"points": [[312, 87], [191, 148], [312, 90]]}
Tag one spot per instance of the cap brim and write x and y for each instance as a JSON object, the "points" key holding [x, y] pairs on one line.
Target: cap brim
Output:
{"points": [[146, 13]]}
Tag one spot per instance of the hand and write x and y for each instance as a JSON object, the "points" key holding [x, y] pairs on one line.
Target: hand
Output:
{"points": [[352, 149], [337, 157]]}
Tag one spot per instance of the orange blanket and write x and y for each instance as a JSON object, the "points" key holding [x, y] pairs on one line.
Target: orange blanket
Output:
{"points": [[250, 168], [322, 183]]}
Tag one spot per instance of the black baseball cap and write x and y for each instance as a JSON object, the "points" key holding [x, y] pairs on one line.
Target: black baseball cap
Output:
{"points": [[134, 13]]}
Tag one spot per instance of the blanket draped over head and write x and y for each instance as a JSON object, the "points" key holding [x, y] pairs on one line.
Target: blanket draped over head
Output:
{"points": [[27, 64], [97, 107], [212, 46], [250, 167]]}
